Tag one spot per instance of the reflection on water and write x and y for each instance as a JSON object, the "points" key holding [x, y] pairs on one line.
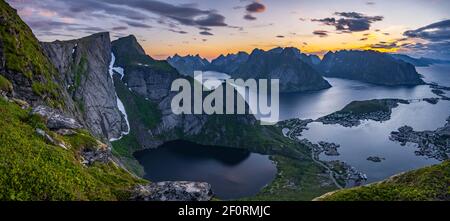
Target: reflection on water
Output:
{"points": [[232, 173]]}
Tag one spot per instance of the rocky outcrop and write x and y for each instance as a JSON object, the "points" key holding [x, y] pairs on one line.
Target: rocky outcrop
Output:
{"points": [[369, 66], [294, 74], [55, 119], [23, 63], [83, 64], [434, 144], [188, 64], [173, 191]]}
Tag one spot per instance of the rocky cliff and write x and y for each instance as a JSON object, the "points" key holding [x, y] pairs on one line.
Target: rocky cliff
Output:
{"points": [[23, 64], [186, 65], [83, 66], [369, 66], [295, 75]]}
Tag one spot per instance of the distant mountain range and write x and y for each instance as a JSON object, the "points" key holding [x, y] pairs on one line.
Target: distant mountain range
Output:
{"points": [[299, 72], [419, 62]]}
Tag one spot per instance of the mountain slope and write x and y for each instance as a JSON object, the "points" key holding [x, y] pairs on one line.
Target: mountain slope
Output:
{"points": [[33, 169], [369, 66], [429, 183], [23, 62], [285, 65], [188, 64]]}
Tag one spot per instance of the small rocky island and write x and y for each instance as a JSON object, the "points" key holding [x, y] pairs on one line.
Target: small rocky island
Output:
{"points": [[352, 114], [434, 144], [375, 159]]}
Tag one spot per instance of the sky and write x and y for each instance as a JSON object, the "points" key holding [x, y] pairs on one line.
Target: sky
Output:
{"points": [[212, 27]]}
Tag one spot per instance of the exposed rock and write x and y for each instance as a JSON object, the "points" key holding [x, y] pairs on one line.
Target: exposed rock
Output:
{"points": [[369, 66], [294, 127], [66, 132], [55, 119], [375, 159], [173, 191], [433, 144], [49, 139], [23, 104], [90, 156], [330, 149], [432, 100], [84, 65], [228, 63]]}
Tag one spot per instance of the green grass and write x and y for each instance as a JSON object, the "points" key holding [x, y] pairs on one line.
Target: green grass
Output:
{"points": [[297, 180], [429, 183], [5, 84], [361, 107], [25, 56], [31, 169]]}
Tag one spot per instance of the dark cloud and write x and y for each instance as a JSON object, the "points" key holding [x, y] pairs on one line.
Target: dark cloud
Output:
{"points": [[437, 40], [350, 21], [384, 45], [320, 33], [137, 24], [136, 13], [280, 36], [255, 7], [119, 28], [363, 39], [434, 32], [177, 31], [249, 17], [205, 33], [370, 3]]}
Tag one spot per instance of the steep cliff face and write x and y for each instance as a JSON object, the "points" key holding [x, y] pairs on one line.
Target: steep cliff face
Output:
{"points": [[369, 66], [284, 64], [83, 64], [23, 63]]}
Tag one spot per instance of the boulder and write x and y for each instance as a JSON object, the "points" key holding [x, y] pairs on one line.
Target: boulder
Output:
{"points": [[55, 119], [173, 191]]}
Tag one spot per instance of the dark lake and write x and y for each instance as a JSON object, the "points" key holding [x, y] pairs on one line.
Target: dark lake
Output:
{"points": [[232, 173]]}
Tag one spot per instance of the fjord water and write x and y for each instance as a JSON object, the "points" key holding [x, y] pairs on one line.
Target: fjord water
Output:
{"points": [[236, 173], [232, 173], [372, 138]]}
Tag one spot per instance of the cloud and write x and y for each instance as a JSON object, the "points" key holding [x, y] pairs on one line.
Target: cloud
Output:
{"points": [[249, 17], [435, 37], [119, 28], [280, 36], [134, 13], [384, 45], [177, 31], [434, 32], [205, 33], [137, 24], [363, 39], [320, 33], [370, 3], [255, 7], [350, 21]]}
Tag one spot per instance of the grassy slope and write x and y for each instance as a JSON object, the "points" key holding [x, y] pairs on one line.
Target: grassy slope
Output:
{"points": [[31, 169], [429, 183], [25, 56]]}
